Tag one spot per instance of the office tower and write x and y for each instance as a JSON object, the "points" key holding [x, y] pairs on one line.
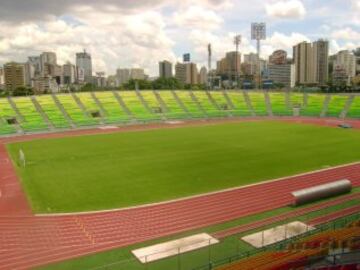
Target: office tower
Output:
{"points": [[14, 74], [47, 58], [186, 73], [83, 61], [2, 78], [122, 76], [165, 69], [345, 65], [36, 63], [321, 61], [283, 74], [203, 76], [304, 63], [68, 74], [137, 74]]}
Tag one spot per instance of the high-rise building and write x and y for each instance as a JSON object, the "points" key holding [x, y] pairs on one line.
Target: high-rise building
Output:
{"points": [[186, 73], [251, 63], [36, 63], [278, 57], [137, 74], [2, 78], [233, 60], [122, 76], [47, 58], [165, 69], [203, 76], [14, 74], [345, 61], [68, 74], [321, 61], [83, 61], [284, 74], [29, 73], [304, 63]]}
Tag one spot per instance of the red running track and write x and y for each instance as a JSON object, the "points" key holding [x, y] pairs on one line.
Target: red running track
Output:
{"points": [[27, 240]]}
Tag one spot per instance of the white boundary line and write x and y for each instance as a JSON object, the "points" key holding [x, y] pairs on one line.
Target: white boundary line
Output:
{"points": [[196, 196]]}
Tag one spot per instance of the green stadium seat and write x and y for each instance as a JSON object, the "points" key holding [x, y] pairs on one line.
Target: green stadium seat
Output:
{"points": [[74, 111], [153, 104], [175, 111], [258, 103], [33, 121], [114, 111], [6, 112], [354, 111], [238, 99], [49, 107], [136, 107], [209, 107], [336, 105], [189, 103], [314, 106], [222, 103], [279, 106]]}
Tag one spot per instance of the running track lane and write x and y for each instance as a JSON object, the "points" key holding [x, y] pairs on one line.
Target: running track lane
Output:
{"points": [[27, 241]]}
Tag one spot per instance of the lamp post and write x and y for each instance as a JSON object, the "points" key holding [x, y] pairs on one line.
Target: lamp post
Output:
{"points": [[258, 33]]}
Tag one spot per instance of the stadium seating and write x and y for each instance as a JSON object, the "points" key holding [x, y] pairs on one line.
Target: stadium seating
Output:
{"points": [[336, 105], [279, 106], [136, 107], [258, 103], [190, 104], [63, 111], [211, 108], [6, 112], [32, 120], [54, 114], [221, 102], [175, 111], [239, 102], [78, 116], [157, 112], [354, 111], [314, 105], [113, 109]]}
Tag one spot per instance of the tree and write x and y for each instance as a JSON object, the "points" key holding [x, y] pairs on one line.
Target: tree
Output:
{"points": [[88, 87], [22, 91], [167, 83], [142, 84]]}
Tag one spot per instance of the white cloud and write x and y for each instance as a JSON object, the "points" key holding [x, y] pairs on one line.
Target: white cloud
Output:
{"points": [[289, 9], [346, 34], [198, 17]]}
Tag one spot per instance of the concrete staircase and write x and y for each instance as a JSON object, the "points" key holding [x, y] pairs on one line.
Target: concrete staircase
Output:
{"points": [[19, 116], [98, 103], [325, 106], [143, 102], [42, 113], [347, 107], [228, 99], [180, 103], [268, 103], [83, 108], [123, 105], [196, 101], [248, 103], [164, 108], [62, 109]]}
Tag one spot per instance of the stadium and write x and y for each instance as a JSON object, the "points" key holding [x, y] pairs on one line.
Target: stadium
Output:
{"points": [[159, 180]]}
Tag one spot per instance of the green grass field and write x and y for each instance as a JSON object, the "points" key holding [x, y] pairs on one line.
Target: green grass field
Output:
{"points": [[131, 168]]}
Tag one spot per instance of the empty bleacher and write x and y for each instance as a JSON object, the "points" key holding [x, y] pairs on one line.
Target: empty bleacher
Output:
{"points": [[314, 105], [336, 105], [279, 105], [258, 103], [354, 111], [65, 111], [32, 119]]}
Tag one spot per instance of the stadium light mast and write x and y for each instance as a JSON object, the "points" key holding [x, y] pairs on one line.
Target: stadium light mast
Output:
{"points": [[258, 33], [209, 66], [237, 41]]}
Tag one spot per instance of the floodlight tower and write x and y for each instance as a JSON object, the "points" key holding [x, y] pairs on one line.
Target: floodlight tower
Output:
{"points": [[209, 66], [237, 41], [258, 33]]}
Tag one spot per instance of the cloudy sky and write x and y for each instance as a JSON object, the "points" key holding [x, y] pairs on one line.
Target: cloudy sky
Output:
{"points": [[139, 33]]}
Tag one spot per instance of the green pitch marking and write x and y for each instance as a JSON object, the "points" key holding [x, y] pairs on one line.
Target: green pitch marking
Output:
{"points": [[131, 168]]}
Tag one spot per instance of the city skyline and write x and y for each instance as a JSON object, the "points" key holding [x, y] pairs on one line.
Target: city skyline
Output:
{"points": [[127, 35]]}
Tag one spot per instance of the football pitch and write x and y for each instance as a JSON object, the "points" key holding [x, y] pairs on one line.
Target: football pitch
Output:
{"points": [[98, 172]]}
